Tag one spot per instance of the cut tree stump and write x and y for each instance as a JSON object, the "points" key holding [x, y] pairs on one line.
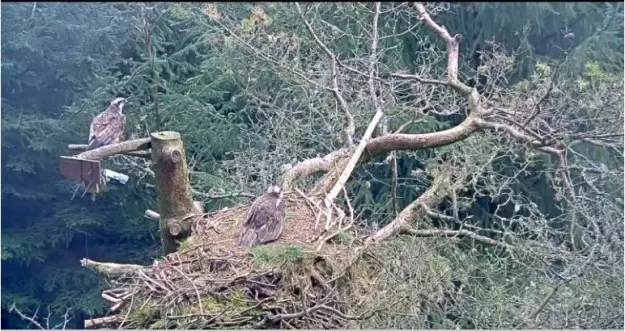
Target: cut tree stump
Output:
{"points": [[175, 202]]}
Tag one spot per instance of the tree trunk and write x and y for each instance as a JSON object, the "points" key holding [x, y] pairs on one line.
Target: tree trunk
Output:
{"points": [[175, 202]]}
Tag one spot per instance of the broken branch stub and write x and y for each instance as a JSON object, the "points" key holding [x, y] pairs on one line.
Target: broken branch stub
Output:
{"points": [[152, 215], [175, 202]]}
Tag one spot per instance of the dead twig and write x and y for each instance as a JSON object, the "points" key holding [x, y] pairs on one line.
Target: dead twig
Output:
{"points": [[31, 319]]}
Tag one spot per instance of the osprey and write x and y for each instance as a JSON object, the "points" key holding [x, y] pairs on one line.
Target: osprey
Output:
{"points": [[108, 126], [264, 220]]}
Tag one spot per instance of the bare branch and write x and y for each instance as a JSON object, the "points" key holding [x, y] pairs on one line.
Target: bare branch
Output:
{"points": [[89, 323], [349, 167], [350, 128], [517, 134], [311, 166], [402, 222], [451, 233], [433, 214], [83, 147], [418, 79], [452, 49], [221, 196], [381, 145], [111, 269], [32, 320], [113, 149], [387, 143], [529, 320]]}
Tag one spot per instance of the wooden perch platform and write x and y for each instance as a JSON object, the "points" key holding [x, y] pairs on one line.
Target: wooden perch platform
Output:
{"points": [[85, 167], [176, 205], [87, 172]]}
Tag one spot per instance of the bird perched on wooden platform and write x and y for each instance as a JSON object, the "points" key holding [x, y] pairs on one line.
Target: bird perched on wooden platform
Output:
{"points": [[108, 127], [264, 220]]}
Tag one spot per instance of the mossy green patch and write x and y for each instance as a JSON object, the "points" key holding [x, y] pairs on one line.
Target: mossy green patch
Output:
{"points": [[344, 238], [278, 255]]}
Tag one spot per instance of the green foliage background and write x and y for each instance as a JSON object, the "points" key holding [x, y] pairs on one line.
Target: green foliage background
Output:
{"points": [[62, 63]]}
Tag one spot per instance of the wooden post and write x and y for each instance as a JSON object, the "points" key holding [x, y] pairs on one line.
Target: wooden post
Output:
{"points": [[175, 202]]}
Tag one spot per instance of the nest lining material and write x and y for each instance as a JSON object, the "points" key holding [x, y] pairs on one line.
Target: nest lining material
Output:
{"points": [[211, 282], [220, 229]]}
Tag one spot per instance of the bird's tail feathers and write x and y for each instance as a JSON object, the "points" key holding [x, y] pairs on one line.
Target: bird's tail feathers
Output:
{"points": [[247, 237]]}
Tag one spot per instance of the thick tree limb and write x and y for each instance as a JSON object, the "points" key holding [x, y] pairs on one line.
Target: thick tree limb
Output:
{"points": [[402, 222], [311, 166], [175, 203], [113, 149], [83, 147], [380, 146], [392, 142]]}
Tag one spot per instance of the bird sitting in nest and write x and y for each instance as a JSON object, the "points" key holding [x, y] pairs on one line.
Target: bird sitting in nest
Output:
{"points": [[264, 220]]}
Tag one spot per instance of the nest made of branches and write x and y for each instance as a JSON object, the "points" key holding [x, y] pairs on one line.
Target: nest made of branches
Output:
{"points": [[294, 282], [211, 282]]}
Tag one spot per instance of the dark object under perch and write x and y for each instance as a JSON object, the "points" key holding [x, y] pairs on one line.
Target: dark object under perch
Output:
{"points": [[85, 167], [175, 203]]}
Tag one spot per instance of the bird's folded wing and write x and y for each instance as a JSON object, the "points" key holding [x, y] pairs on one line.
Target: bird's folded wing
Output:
{"points": [[249, 216], [106, 129]]}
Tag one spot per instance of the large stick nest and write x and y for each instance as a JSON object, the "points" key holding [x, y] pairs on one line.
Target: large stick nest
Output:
{"points": [[211, 282], [292, 283]]}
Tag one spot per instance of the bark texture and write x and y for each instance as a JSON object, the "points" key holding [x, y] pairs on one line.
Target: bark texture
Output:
{"points": [[175, 202]]}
